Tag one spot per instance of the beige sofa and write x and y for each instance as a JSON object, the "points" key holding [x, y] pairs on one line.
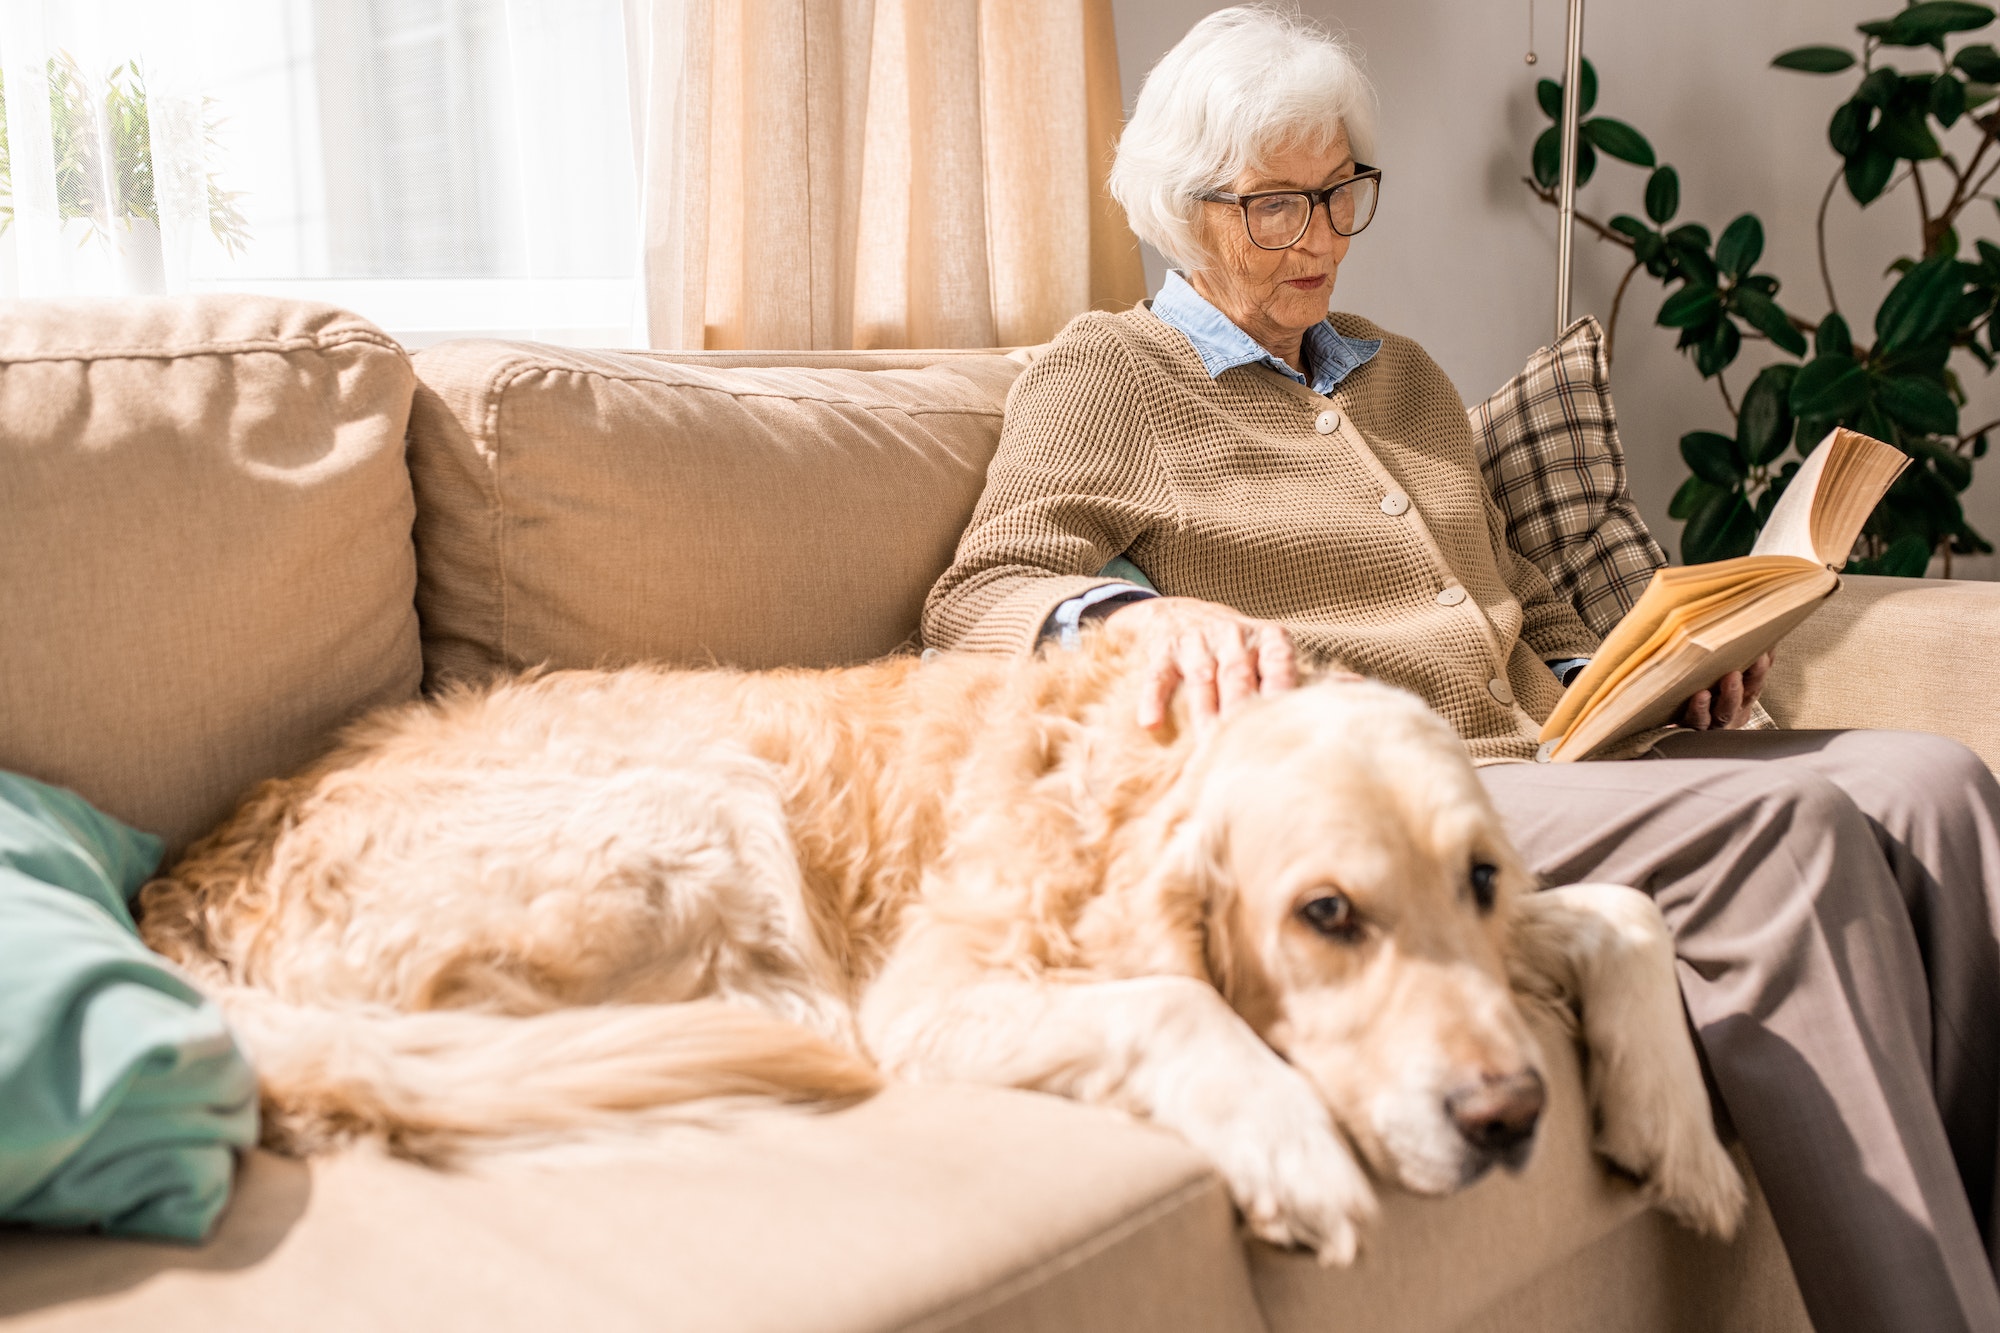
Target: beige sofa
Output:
{"points": [[218, 546]]}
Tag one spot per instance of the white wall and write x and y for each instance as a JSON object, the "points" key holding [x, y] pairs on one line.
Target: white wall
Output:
{"points": [[1462, 258]]}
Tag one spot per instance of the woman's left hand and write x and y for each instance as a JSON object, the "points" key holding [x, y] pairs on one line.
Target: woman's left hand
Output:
{"points": [[1725, 705]]}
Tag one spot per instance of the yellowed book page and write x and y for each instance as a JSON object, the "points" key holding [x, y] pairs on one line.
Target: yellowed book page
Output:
{"points": [[1684, 620], [1822, 512], [1698, 657], [1670, 590]]}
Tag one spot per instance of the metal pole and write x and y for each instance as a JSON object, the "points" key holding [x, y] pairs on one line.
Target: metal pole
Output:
{"points": [[1572, 115]]}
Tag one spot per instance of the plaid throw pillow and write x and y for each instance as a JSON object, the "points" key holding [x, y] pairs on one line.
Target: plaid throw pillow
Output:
{"points": [[1548, 446]]}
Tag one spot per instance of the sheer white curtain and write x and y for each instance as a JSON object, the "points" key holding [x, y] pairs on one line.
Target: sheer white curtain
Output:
{"points": [[795, 173], [443, 167]]}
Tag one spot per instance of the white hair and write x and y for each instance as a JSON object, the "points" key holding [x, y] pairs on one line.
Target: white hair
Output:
{"points": [[1245, 82]]}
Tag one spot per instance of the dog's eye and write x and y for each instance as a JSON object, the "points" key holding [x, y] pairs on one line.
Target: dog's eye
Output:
{"points": [[1483, 876], [1333, 916]]}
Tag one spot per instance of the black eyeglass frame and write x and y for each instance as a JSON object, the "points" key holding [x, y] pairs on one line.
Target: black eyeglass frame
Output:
{"points": [[1313, 198]]}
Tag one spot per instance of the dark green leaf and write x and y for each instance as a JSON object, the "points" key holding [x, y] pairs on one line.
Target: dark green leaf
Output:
{"points": [[1955, 468], [1713, 457], [1589, 81], [1692, 234], [1850, 124], [1663, 195], [1549, 96], [1904, 133], [1619, 140], [1979, 63], [1650, 250], [1920, 305], [1979, 446], [1720, 528], [1907, 558], [1690, 306], [1548, 158], [1920, 406], [1815, 59], [1829, 387], [1764, 426], [1763, 282], [1627, 225], [1874, 27], [1741, 245], [1833, 339], [1586, 161], [1868, 172], [1765, 317], [1926, 24], [1690, 495], [1879, 88], [1713, 353], [1947, 100]]}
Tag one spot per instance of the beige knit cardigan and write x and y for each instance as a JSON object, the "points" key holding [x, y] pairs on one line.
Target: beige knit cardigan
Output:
{"points": [[1358, 520]]}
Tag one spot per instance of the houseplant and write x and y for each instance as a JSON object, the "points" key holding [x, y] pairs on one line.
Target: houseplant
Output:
{"points": [[103, 157], [1929, 131]]}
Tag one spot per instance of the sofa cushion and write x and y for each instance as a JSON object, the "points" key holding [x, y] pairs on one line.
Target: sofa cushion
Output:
{"points": [[924, 1208], [206, 550], [1549, 450], [598, 508]]}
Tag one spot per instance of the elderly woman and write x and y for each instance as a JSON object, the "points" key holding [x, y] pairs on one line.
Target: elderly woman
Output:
{"points": [[1300, 485]]}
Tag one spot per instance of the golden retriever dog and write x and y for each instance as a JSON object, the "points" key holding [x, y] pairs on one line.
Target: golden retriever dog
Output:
{"points": [[584, 898]]}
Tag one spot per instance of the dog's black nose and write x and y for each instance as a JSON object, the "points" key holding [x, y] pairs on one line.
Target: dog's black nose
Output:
{"points": [[1499, 1112]]}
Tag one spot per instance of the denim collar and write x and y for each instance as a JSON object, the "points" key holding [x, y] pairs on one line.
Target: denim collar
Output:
{"points": [[1222, 346]]}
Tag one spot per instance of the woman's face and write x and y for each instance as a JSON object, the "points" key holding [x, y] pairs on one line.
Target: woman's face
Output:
{"points": [[1276, 295]]}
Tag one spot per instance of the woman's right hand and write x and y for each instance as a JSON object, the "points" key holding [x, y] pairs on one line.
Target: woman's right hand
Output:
{"points": [[1221, 656]]}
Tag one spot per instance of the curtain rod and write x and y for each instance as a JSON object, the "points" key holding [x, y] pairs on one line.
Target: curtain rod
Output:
{"points": [[1572, 114]]}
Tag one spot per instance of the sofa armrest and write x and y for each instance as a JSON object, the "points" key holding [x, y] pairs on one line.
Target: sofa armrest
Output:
{"points": [[1911, 654]]}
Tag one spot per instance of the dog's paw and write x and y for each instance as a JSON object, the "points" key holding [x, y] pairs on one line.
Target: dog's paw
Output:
{"points": [[1666, 1139], [1681, 1165], [1291, 1174]]}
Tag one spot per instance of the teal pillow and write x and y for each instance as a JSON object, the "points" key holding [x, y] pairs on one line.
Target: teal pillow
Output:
{"points": [[1121, 568], [123, 1098]]}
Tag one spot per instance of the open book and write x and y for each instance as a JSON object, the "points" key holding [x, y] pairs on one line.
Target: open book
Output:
{"points": [[1698, 623]]}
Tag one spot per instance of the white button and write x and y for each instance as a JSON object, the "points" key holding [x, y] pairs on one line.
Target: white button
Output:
{"points": [[1328, 423], [1451, 596], [1395, 503], [1501, 691], [1545, 752]]}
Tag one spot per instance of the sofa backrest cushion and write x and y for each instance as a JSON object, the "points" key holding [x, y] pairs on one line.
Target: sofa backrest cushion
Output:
{"points": [[598, 508], [205, 558]]}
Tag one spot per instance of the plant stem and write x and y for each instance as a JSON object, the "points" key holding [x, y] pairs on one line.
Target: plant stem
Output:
{"points": [[1604, 233], [1971, 435], [1727, 401], [1923, 211], [1611, 331], [1825, 273]]}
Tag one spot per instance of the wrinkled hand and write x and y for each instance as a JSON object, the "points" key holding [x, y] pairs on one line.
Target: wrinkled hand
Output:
{"points": [[1221, 656], [1725, 705]]}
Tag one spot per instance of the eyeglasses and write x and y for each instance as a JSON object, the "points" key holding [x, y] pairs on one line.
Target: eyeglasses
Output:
{"points": [[1277, 219]]}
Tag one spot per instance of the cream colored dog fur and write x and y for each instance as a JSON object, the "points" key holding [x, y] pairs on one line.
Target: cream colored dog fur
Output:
{"points": [[578, 898]]}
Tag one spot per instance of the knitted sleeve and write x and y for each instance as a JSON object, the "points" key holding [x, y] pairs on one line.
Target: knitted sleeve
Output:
{"points": [[1075, 480]]}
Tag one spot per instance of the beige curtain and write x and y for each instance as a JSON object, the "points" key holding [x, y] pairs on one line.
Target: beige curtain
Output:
{"points": [[877, 173]]}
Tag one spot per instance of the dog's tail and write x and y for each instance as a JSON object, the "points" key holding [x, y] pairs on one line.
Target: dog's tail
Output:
{"points": [[434, 1083]]}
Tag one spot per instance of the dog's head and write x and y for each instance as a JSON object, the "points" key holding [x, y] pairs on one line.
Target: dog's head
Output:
{"points": [[1354, 886]]}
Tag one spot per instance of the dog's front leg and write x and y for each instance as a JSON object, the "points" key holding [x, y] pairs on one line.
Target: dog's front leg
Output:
{"points": [[1605, 950], [1166, 1048]]}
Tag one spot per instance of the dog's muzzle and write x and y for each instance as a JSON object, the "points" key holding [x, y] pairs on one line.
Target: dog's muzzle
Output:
{"points": [[1497, 1117]]}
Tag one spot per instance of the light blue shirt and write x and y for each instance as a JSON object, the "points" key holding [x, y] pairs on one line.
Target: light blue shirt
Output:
{"points": [[1221, 345]]}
